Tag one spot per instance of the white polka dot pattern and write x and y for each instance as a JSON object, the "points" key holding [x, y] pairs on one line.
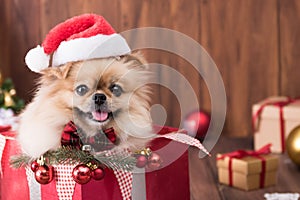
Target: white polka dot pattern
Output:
{"points": [[186, 139], [65, 184], [125, 183]]}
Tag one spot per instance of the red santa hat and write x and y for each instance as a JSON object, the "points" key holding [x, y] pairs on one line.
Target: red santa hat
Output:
{"points": [[82, 37]]}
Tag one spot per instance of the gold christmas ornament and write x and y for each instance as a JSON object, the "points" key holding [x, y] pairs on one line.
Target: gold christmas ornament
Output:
{"points": [[8, 101], [12, 92], [293, 145], [145, 152]]}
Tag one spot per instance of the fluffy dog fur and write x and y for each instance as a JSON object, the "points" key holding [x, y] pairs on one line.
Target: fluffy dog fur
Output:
{"points": [[57, 102]]}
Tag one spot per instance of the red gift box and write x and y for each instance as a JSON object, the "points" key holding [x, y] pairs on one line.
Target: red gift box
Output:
{"points": [[171, 181]]}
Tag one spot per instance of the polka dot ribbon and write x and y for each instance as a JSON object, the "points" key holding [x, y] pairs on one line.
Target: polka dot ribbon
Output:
{"points": [[65, 184], [125, 183], [124, 178], [186, 139]]}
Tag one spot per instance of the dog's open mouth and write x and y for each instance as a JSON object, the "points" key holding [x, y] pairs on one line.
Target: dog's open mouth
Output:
{"points": [[97, 115], [101, 116]]}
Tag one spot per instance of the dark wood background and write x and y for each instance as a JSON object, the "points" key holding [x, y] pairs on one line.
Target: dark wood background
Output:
{"points": [[254, 43]]}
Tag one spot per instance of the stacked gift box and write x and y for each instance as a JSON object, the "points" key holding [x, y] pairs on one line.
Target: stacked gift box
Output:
{"points": [[273, 119]]}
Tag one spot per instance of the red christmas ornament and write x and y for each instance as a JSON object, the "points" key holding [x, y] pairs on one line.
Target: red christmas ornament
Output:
{"points": [[98, 173], [197, 123], [154, 161], [81, 174], [34, 166], [44, 174], [141, 161]]}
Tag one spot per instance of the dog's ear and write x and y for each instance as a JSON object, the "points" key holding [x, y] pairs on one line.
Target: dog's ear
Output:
{"points": [[53, 73], [136, 60]]}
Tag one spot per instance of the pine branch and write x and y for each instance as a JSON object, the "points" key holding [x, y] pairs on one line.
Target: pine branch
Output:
{"points": [[69, 155], [117, 161], [20, 161]]}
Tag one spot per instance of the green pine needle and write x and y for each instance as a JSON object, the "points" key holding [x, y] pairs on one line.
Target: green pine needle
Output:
{"points": [[20, 161], [71, 156]]}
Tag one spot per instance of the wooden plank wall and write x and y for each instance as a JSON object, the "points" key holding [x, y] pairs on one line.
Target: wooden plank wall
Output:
{"points": [[254, 43]]}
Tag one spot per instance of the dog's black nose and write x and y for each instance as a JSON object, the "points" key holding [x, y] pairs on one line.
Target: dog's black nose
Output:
{"points": [[99, 98]]}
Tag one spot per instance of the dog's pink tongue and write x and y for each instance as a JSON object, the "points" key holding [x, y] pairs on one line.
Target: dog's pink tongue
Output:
{"points": [[100, 116]]}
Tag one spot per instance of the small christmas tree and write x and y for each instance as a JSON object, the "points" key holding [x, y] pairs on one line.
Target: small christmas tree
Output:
{"points": [[8, 96]]}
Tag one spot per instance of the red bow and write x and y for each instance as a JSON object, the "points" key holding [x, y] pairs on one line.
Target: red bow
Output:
{"points": [[242, 153], [72, 136], [5, 128]]}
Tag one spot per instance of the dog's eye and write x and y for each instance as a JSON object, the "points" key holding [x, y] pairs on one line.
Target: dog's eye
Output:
{"points": [[116, 90], [81, 90]]}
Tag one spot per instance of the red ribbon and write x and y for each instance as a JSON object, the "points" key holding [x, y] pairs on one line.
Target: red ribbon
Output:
{"points": [[5, 128], [241, 154], [71, 137], [280, 105]]}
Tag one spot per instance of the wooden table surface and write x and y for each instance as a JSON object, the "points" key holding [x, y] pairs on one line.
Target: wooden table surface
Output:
{"points": [[204, 177]]}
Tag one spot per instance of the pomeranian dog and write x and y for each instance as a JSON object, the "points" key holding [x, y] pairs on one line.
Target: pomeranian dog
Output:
{"points": [[96, 95]]}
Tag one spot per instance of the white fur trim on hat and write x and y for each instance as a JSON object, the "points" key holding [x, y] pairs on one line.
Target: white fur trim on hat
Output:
{"points": [[98, 46], [36, 59]]}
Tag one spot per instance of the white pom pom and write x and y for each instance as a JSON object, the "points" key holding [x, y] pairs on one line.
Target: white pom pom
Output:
{"points": [[36, 59]]}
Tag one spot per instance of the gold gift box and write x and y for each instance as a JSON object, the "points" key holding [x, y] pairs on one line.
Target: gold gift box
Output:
{"points": [[268, 127], [246, 172]]}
